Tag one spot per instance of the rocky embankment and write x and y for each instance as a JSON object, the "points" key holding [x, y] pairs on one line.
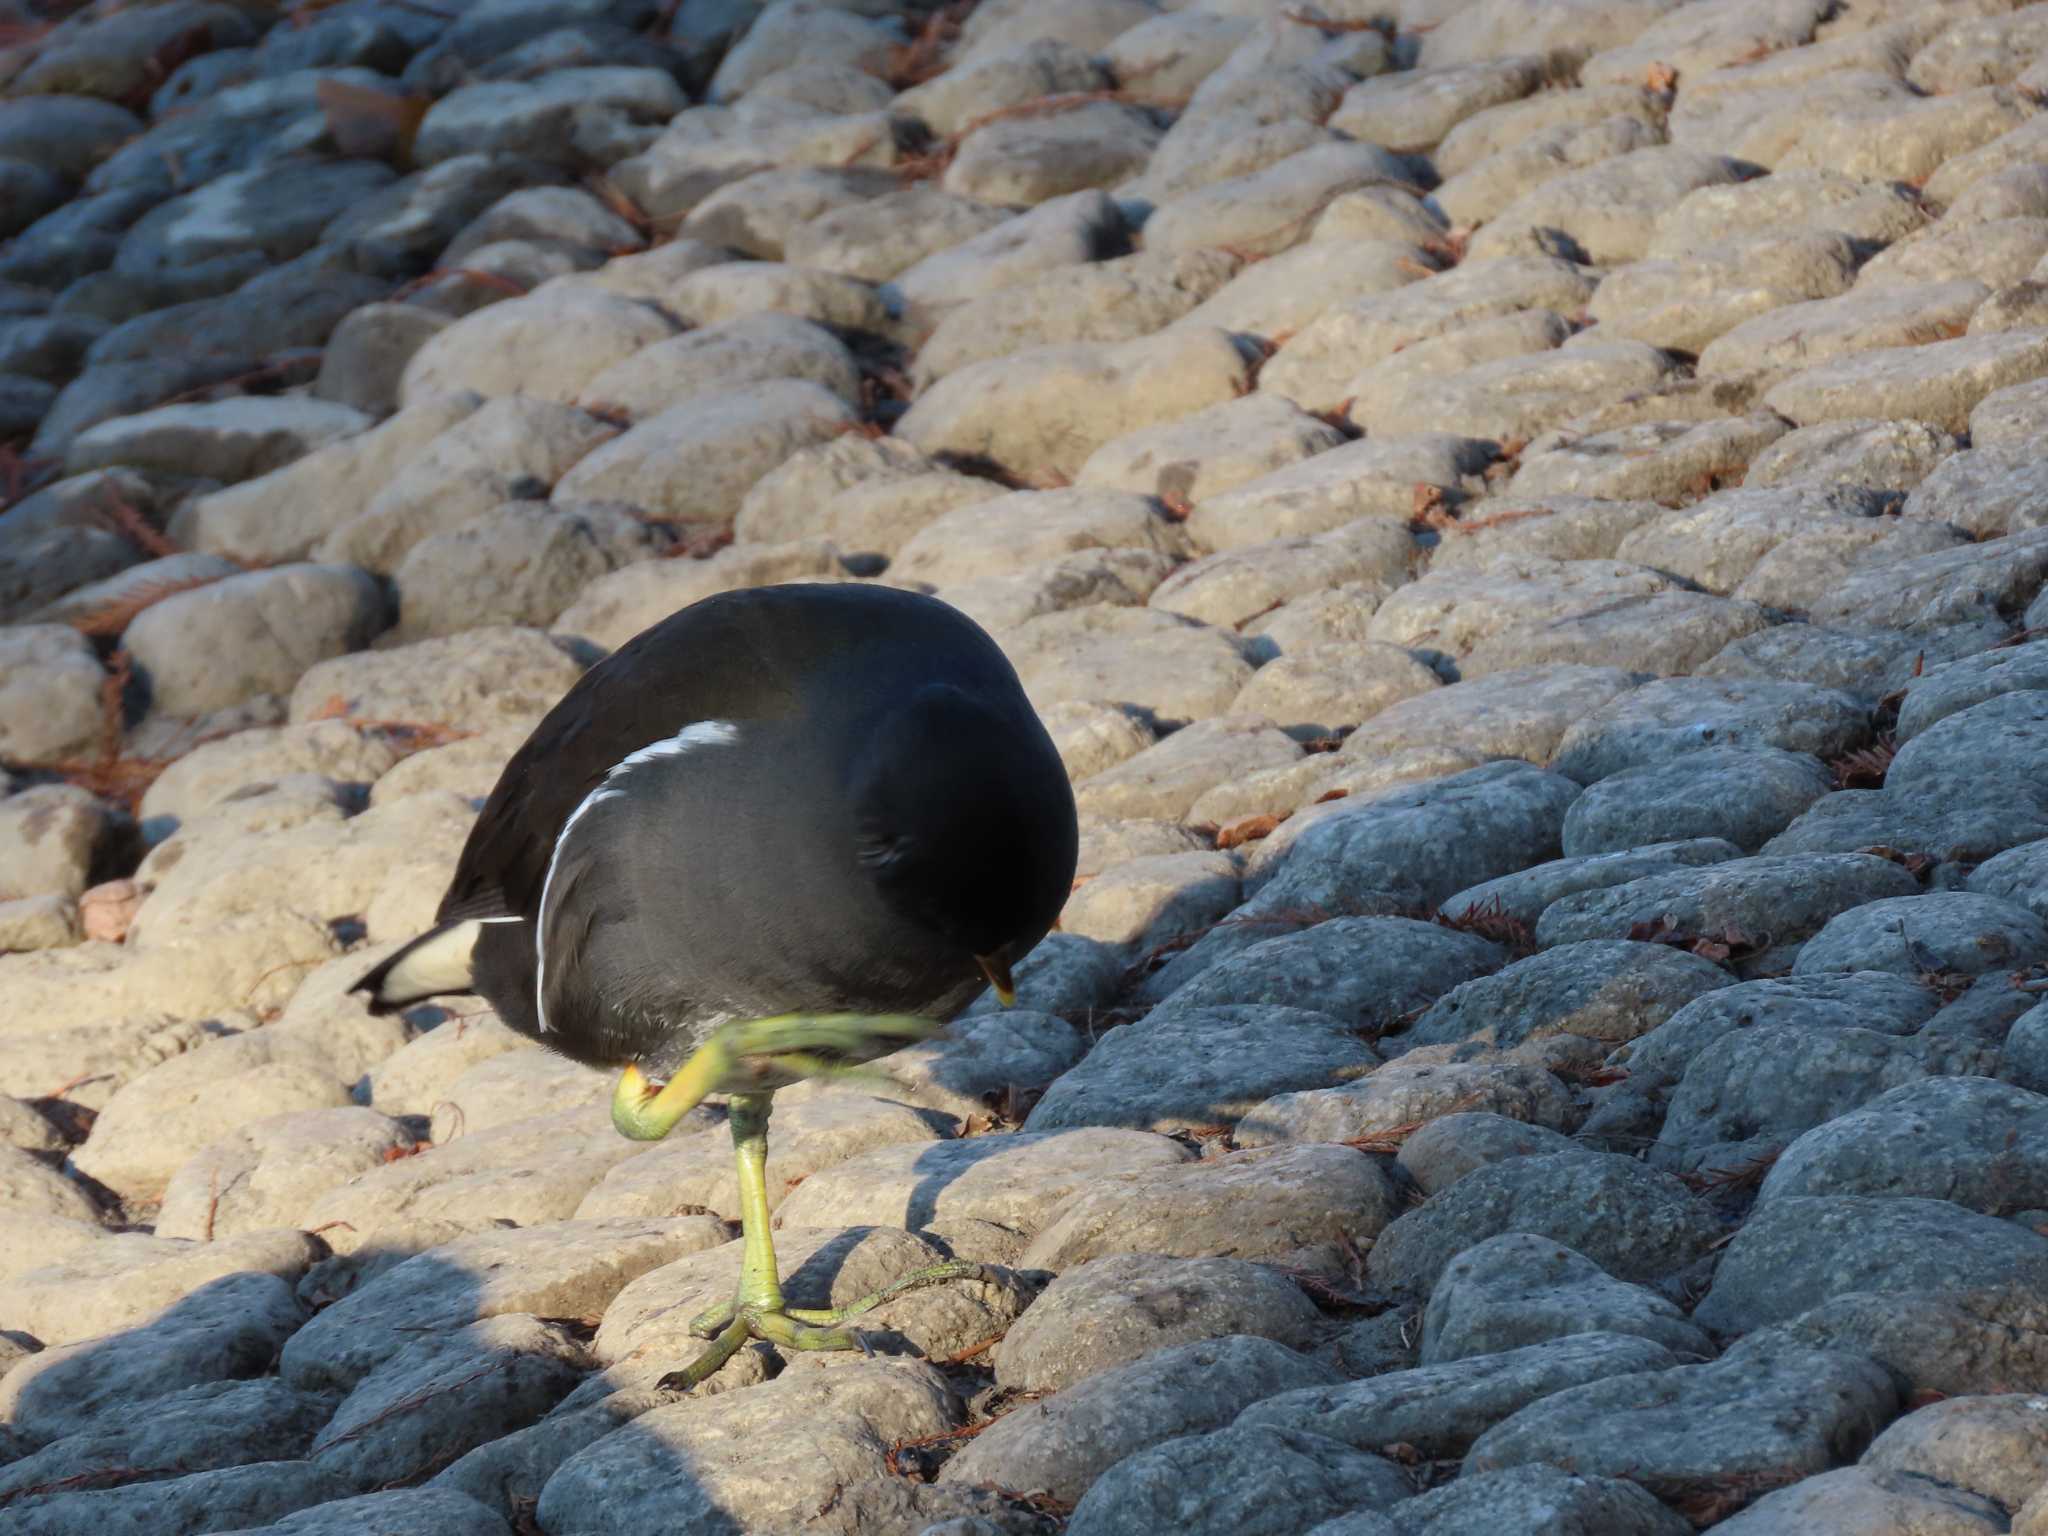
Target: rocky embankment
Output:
{"points": [[1526, 519]]}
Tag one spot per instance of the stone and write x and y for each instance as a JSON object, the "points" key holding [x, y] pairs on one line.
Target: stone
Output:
{"points": [[368, 352], [547, 346], [1995, 251], [726, 448], [1441, 1409], [804, 1434], [1523, 397], [523, 564], [618, 605], [1013, 1181], [1969, 583], [277, 209], [1164, 780], [1521, 712], [482, 677], [1635, 1222], [1819, 332], [1200, 1067], [1042, 242], [1151, 900], [28, 1184], [1210, 451], [1516, 1497], [1796, 1411], [1962, 931], [1113, 1310], [1851, 1496], [275, 623], [1986, 494], [1258, 1478], [1784, 896], [544, 118], [1069, 1440], [563, 1269], [1321, 693], [1939, 382], [1607, 209], [1164, 668], [2004, 418], [751, 349], [1517, 1289], [989, 79], [1030, 527], [1675, 716], [265, 1174], [54, 835], [1112, 300], [185, 1506], [1284, 1204], [224, 440], [1987, 1446], [1046, 409], [1801, 1250], [1655, 461], [1374, 477], [1406, 1093], [1969, 1140], [442, 1395], [1883, 455], [196, 1429], [1271, 209], [227, 1327], [1954, 1343], [1524, 894], [1443, 1150], [1743, 795], [1582, 998]]}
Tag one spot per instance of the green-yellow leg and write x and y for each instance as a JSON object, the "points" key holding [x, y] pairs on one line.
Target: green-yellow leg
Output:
{"points": [[762, 1050]]}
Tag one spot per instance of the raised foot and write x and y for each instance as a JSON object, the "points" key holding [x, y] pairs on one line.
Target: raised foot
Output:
{"points": [[731, 1323]]}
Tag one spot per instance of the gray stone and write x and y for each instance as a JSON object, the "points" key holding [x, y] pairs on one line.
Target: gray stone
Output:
{"points": [[1961, 931], [1947, 689], [1046, 409], [225, 1329], [1288, 1204], [1362, 971], [1196, 1067], [561, 1269], [1842, 329], [2018, 875], [543, 118], [1110, 1311], [775, 1452], [181, 1506], [1442, 1409], [1517, 1289], [750, 349], [1801, 1250], [981, 1057], [1042, 242], [277, 209], [1273, 208], [1524, 894], [1990, 1446], [274, 624], [442, 1395], [1013, 1181], [1442, 1151], [1416, 110], [1147, 901], [1981, 1340], [224, 440], [400, 1512], [1742, 795], [1258, 1480], [1752, 1412], [1664, 461], [1972, 583], [1985, 493], [1374, 477], [1164, 668], [1167, 778], [1522, 712], [1883, 455], [197, 1429], [1635, 1222], [1851, 1496], [54, 834], [1534, 1497], [1939, 382], [266, 1174], [1577, 1000], [1389, 1100], [1066, 1442], [1607, 209], [367, 354], [1969, 1140], [1867, 663], [1673, 717], [1523, 397]]}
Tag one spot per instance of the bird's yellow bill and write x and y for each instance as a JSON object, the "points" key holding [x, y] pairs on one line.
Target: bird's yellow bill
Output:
{"points": [[996, 968]]}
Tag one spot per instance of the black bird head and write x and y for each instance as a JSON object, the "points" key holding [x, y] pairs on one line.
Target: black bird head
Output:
{"points": [[965, 822]]}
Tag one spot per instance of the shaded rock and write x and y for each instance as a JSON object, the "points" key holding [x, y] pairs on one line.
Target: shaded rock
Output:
{"points": [[1676, 716], [1636, 1223], [1069, 1440], [1445, 1149], [1442, 1409], [1801, 1250], [225, 440], [1958, 931], [1515, 1290]]}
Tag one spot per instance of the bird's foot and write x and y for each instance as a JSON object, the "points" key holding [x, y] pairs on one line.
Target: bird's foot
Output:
{"points": [[732, 1323]]}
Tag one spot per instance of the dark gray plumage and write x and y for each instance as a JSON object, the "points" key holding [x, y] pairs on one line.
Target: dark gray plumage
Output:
{"points": [[816, 799]]}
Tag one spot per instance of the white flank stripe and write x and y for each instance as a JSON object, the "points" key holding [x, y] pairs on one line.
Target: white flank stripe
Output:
{"points": [[704, 733]]}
